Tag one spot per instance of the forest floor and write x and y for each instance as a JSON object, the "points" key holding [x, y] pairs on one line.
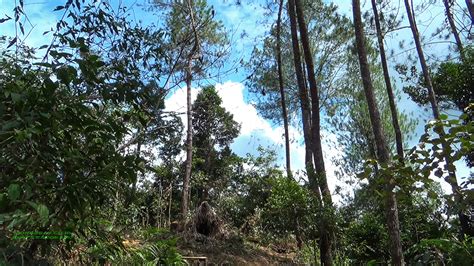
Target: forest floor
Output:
{"points": [[235, 251]]}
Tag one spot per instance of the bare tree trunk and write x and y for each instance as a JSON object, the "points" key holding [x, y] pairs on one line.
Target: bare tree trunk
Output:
{"points": [[382, 150], [306, 114], [470, 8], [169, 203], [451, 178], [195, 50], [189, 144], [326, 233], [421, 56], [315, 116], [282, 91], [452, 25], [388, 84], [304, 101]]}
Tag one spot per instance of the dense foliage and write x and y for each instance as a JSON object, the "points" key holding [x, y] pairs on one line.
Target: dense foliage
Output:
{"points": [[92, 163]]}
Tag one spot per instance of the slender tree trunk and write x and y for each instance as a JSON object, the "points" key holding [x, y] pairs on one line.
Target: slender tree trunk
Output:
{"points": [[470, 9], [388, 84], [451, 178], [326, 233], [452, 25], [382, 150], [189, 143], [195, 50], [282, 91], [424, 66], [315, 116], [299, 241], [169, 203], [304, 101]]}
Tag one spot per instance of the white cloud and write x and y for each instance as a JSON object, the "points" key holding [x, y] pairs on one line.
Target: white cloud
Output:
{"points": [[257, 131]]}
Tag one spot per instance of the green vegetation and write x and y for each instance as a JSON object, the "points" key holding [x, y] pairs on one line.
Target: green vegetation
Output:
{"points": [[94, 169]]}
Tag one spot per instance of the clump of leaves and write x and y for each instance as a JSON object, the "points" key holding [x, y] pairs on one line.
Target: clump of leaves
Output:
{"points": [[65, 122], [444, 251]]}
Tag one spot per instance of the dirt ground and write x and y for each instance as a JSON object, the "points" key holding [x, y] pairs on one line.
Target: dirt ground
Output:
{"points": [[233, 251]]}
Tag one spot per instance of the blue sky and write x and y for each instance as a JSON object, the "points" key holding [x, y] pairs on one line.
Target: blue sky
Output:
{"points": [[247, 18]]}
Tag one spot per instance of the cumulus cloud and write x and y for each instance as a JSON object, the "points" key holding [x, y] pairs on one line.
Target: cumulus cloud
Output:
{"points": [[256, 131]]}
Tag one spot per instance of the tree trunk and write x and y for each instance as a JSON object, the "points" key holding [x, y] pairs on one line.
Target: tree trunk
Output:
{"points": [[381, 145], [388, 84], [451, 178], [452, 25], [424, 66], [470, 8], [189, 135], [326, 233], [315, 116], [189, 143], [282, 91], [304, 101]]}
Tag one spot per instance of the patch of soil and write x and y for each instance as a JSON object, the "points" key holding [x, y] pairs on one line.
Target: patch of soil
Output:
{"points": [[231, 251], [206, 235]]}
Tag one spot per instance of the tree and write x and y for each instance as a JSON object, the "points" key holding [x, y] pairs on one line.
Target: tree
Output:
{"points": [[66, 121], [452, 83], [365, 236], [470, 9], [329, 37], [451, 177], [388, 83], [214, 130], [304, 101], [197, 40], [452, 25], [383, 155], [281, 86], [348, 115], [316, 147]]}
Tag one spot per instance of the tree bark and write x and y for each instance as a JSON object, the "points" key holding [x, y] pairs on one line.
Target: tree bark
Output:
{"points": [[195, 50], [304, 101], [189, 143], [326, 232], [452, 25], [282, 91], [315, 116], [381, 145], [421, 56], [388, 84], [470, 8], [451, 178]]}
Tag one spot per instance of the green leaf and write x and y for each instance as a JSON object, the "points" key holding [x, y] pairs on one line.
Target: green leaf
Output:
{"points": [[16, 97], [432, 194], [43, 212], [66, 74], [12, 42], [14, 191], [41, 209]]}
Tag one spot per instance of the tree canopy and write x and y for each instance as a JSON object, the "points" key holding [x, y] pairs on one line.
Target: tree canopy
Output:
{"points": [[119, 144]]}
